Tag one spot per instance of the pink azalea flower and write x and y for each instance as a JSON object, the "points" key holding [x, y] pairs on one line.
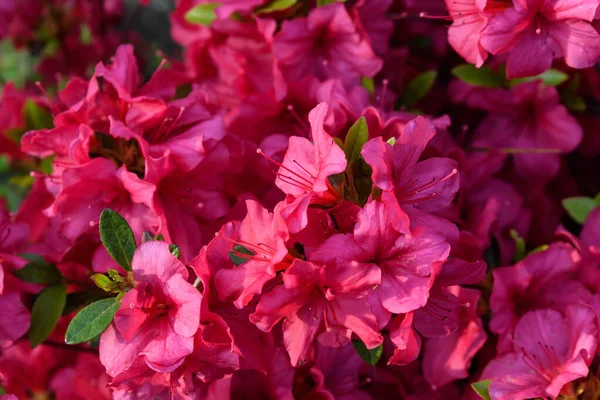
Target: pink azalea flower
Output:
{"points": [[427, 185], [541, 280], [530, 117], [533, 32], [408, 260], [326, 44], [14, 318], [468, 21], [303, 173], [322, 303], [372, 20], [96, 185], [265, 235], [406, 340], [549, 351], [449, 358], [589, 267], [158, 318], [86, 379]]}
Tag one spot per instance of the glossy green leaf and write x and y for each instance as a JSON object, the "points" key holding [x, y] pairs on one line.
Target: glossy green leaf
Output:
{"points": [[520, 245], [368, 84], [552, 77], [370, 356], [102, 281], [276, 5], [239, 249], [175, 250], [92, 320], [36, 117], [117, 237], [483, 76], [482, 388], [46, 312], [579, 207], [355, 139], [202, 14], [418, 87], [39, 272], [321, 3]]}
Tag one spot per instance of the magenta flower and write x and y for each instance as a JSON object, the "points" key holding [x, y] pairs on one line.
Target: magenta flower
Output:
{"points": [[326, 44], [265, 235], [303, 173], [325, 303], [427, 185], [549, 350], [408, 260], [541, 280], [158, 318], [468, 21], [533, 32]]}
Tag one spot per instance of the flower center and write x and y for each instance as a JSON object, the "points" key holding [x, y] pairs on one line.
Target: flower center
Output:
{"points": [[120, 151], [415, 187]]}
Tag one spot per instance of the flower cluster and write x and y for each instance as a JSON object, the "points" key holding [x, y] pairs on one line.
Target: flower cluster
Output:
{"points": [[305, 200]]}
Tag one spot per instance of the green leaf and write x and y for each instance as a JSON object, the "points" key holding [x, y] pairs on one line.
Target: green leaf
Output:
{"points": [[276, 5], [482, 388], [92, 321], [39, 272], [579, 207], [321, 3], [117, 237], [85, 34], [16, 65], [552, 77], [368, 84], [147, 236], [538, 249], [392, 141], [484, 76], [175, 250], [569, 96], [239, 249], [355, 139], [202, 14], [36, 117], [102, 281], [2, 390], [418, 87], [4, 164], [46, 312], [520, 245], [371, 356]]}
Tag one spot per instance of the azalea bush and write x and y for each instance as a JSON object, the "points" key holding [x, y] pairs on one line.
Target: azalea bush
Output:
{"points": [[285, 199]]}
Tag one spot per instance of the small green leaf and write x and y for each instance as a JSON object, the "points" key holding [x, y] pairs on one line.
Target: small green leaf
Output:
{"points": [[92, 321], [117, 237], [276, 5], [160, 237], [597, 199], [175, 250], [552, 77], [569, 96], [239, 249], [102, 281], [46, 312], [483, 76], [482, 388], [46, 165], [321, 3], [418, 87], [39, 272], [36, 117], [202, 14], [368, 84], [4, 163], [520, 245], [538, 249], [391, 141], [371, 356], [355, 139], [2, 390], [579, 207], [85, 34], [114, 275]]}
